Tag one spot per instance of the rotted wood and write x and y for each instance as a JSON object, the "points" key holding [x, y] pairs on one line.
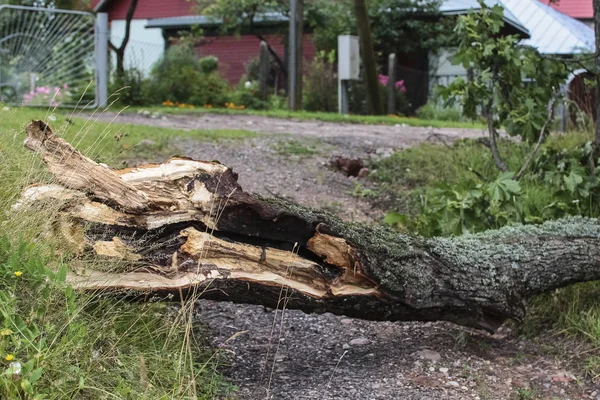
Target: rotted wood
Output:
{"points": [[187, 225]]}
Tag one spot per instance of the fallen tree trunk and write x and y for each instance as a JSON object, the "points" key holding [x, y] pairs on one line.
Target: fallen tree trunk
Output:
{"points": [[187, 225]]}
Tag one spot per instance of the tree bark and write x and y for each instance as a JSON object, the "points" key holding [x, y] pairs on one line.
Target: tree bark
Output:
{"points": [[596, 152], [187, 226], [368, 57], [120, 51]]}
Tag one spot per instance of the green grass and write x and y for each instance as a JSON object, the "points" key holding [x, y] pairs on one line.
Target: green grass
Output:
{"points": [[318, 116], [59, 344], [112, 143], [294, 147]]}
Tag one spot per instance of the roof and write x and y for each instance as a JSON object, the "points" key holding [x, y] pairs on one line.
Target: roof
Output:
{"points": [[552, 32], [458, 7], [448, 7], [99, 5], [573, 8], [207, 21]]}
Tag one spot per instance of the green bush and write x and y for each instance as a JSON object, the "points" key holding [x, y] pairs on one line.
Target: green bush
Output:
{"points": [[248, 96], [131, 89], [253, 67], [209, 64], [459, 189], [358, 99], [320, 84], [434, 111], [179, 77]]}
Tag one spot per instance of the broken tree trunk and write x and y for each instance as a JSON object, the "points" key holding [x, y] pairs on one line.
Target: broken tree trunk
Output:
{"points": [[187, 225]]}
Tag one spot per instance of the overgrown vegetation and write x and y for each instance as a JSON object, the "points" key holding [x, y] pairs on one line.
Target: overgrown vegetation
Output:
{"points": [[446, 190], [515, 86], [56, 343]]}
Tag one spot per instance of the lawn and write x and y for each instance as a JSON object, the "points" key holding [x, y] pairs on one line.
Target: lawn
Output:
{"points": [[318, 116], [110, 143]]}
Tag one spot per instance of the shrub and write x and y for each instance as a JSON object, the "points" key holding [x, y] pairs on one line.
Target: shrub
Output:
{"points": [[131, 88], [434, 111], [358, 97], [459, 189], [248, 96], [179, 77], [320, 84], [209, 64], [253, 67]]}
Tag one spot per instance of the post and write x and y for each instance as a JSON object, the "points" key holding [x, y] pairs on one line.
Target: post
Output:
{"points": [[32, 82], [292, 59], [263, 70], [101, 59], [348, 68], [391, 85], [299, 52], [343, 106], [563, 109]]}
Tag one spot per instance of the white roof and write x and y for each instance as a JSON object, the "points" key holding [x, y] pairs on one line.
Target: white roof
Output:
{"points": [[552, 32], [452, 7]]}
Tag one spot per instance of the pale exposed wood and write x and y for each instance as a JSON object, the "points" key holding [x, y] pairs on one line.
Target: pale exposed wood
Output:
{"points": [[75, 171]]}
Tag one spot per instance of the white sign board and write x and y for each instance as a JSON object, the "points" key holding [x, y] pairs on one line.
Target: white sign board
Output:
{"points": [[348, 57]]}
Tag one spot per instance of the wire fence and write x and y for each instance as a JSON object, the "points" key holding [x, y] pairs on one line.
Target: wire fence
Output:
{"points": [[46, 56], [139, 55]]}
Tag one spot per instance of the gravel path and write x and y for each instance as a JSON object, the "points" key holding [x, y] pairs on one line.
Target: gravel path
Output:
{"points": [[395, 136], [269, 167], [329, 357], [299, 356]]}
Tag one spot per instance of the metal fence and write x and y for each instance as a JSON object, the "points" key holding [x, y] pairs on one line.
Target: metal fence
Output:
{"points": [[47, 57]]}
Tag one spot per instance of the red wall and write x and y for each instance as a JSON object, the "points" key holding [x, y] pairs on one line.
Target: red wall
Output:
{"points": [[235, 52], [147, 9], [573, 8]]}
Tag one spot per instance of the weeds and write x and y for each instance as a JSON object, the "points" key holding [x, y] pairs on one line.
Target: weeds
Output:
{"points": [[293, 147], [56, 343], [443, 190]]}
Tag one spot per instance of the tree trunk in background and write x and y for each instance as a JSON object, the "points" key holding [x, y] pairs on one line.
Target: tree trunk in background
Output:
{"points": [[596, 6], [368, 57], [187, 227], [120, 51], [300, 56]]}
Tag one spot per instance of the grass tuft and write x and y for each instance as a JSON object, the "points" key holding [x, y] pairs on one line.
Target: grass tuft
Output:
{"points": [[56, 343]]}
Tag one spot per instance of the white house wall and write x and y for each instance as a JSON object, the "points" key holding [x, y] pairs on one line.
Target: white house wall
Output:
{"points": [[145, 46], [443, 70]]}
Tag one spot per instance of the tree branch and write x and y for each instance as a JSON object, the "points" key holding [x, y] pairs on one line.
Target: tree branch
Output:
{"points": [[493, 134], [538, 144], [257, 246]]}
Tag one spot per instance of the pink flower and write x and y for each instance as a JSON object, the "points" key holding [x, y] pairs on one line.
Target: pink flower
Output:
{"points": [[56, 89], [65, 86], [400, 86], [383, 79]]}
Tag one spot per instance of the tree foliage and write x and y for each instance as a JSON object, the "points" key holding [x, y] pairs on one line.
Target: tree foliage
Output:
{"points": [[514, 84], [400, 26]]}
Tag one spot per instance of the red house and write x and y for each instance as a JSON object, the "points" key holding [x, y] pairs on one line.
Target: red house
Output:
{"points": [[578, 9], [158, 23]]}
